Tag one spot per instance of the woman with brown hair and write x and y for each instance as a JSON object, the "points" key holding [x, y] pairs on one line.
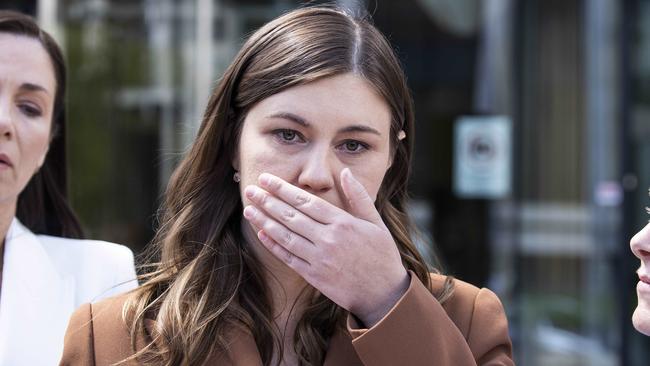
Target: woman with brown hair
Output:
{"points": [[284, 236], [45, 271]]}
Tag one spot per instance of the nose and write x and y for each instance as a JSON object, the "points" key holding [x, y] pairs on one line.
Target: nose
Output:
{"points": [[640, 243], [316, 175], [6, 127]]}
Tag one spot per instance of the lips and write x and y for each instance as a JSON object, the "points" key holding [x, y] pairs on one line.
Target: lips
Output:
{"points": [[644, 278], [4, 160], [643, 287]]}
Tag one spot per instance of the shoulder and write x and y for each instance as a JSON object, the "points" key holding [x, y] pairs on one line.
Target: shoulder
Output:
{"points": [[87, 248], [469, 327], [108, 320], [97, 334], [480, 316], [100, 269], [468, 303], [89, 256]]}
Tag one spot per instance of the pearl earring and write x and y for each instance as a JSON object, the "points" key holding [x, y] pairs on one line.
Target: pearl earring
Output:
{"points": [[236, 177]]}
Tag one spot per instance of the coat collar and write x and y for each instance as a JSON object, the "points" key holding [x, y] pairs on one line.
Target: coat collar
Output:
{"points": [[243, 350], [35, 303]]}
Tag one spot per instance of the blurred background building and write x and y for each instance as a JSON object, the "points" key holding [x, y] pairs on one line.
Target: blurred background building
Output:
{"points": [[533, 140]]}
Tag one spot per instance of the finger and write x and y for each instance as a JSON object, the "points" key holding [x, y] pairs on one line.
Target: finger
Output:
{"points": [[361, 204], [312, 206], [292, 261], [282, 212], [290, 241]]}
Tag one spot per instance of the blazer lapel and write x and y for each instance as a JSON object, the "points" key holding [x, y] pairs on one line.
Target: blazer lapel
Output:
{"points": [[242, 349], [35, 303], [244, 352]]}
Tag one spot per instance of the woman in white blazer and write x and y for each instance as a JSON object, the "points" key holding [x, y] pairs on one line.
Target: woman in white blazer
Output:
{"points": [[46, 270]]}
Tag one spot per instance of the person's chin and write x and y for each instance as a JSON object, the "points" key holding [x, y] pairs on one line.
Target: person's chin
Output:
{"points": [[641, 319]]}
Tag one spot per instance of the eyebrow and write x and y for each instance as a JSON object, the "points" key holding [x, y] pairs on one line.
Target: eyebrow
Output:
{"points": [[33, 87], [291, 117], [303, 122]]}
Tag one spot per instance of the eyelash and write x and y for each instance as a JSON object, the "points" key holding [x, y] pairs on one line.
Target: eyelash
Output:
{"points": [[361, 147], [30, 110], [281, 136]]}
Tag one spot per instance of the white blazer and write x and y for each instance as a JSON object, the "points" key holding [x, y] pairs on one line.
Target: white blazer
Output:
{"points": [[44, 280]]}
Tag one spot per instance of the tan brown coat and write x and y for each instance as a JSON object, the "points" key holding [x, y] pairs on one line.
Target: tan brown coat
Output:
{"points": [[469, 329]]}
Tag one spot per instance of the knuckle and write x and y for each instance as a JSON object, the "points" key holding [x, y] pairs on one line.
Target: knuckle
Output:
{"points": [[329, 239], [263, 199], [274, 184], [259, 219], [313, 273], [330, 266], [326, 264], [288, 258], [303, 199], [288, 214], [268, 226], [271, 245], [287, 240], [345, 226]]}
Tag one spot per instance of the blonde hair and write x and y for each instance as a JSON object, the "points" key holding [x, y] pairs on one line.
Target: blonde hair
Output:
{"points": [[205, 281]]}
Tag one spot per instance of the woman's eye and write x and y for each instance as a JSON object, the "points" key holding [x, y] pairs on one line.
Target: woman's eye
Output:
{"points": [[30, 110], [288, 136], [354, 146]]}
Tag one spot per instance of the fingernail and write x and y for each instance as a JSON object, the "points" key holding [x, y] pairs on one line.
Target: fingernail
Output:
{"points": [[262, 235], [249, 212], [264, 180], [249, 191]]}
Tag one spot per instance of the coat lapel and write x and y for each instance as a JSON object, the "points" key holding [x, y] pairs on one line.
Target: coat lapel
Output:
{"points": [[243, 350], [35, 303]]}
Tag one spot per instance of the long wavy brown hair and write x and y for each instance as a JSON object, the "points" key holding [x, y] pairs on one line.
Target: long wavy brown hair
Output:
{"points": [[205, 280]]}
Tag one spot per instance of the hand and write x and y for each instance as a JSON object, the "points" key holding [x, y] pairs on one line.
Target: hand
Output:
{"points": [[349, 257]]}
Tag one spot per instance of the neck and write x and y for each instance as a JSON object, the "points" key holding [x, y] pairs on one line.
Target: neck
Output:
{"points": [[284, 284], [7, 213], [286, 287]]}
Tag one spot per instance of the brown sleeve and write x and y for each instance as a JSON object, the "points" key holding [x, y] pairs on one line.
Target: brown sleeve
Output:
{"points": [[418, 332], [78, 347], [488, 337]]}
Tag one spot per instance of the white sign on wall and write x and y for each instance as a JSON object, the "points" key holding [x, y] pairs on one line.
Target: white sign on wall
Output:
{"points": [[483, 157]]}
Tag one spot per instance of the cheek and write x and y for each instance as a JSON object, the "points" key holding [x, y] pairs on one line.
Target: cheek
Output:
{"points": [[371, 176], [260, 158], [34, 143]]}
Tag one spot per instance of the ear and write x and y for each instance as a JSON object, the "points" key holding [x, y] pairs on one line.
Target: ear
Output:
{"points": [[400, 136]]}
